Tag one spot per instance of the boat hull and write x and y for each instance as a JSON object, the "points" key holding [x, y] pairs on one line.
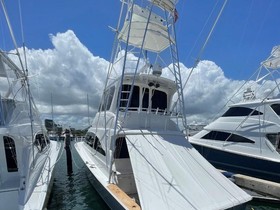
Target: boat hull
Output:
{"points": [[107, 197], [112, 202], [101, 185], [241, 164], [41, 193]]}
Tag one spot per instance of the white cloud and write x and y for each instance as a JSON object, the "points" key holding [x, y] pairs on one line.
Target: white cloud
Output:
{"points": [[70, 71], [207, 90]]}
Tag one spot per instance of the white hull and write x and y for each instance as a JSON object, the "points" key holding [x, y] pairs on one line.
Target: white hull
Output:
{"points": [[163, 166], [244, 144], [39, 197], [99, 179], [27, 156]]}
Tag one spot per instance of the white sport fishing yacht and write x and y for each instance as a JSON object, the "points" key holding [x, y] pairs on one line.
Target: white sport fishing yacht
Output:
{"points": [[246, 138], [136, 155], [27, 156]]}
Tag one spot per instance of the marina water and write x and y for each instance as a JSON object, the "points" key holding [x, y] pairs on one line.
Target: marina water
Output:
{"points": [[74, 192]]}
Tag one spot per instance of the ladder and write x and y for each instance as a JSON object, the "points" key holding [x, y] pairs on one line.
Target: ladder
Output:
{"points": [[177, 76]]}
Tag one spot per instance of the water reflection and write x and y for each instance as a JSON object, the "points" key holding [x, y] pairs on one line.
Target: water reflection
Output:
{"points": [[73, 191]]}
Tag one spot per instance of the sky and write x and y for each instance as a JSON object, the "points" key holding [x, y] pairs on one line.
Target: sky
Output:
{"points": [[69, 45]]}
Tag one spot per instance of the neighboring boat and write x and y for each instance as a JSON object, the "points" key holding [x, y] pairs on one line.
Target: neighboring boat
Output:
{"points": [[245, 139], [137, 157], [53, 136], [27, 156]]}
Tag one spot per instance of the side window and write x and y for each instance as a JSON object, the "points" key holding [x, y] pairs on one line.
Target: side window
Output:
{"points": [[276, 108], [11, 155], [41, 141], [108, 97], [98, 147], [145, 99], [90, 139], [121, 150], [241, 111], [224, 136], [93, 141], [274, 138], [134, 103], [159, 100]]}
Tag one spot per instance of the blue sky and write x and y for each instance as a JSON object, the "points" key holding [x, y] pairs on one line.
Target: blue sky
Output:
{"points": [[243, 37], [74, 58]]}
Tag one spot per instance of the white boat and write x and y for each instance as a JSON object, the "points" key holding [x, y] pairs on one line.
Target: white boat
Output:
{"points": [[53, 136], [135, 153], [245, 139], [27, 156]]}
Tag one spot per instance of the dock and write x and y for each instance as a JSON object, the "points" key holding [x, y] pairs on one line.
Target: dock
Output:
{"points": [[259, 189]]}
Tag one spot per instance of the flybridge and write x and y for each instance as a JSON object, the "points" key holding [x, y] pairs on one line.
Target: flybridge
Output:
{"points": [[273, 62], [144, 33], [149, 25]]}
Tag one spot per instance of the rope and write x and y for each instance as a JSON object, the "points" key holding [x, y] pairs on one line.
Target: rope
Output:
{"points": [[205, 43], [235, 93], [11, 32], [20, 20], [203, 47], [200, 33]]}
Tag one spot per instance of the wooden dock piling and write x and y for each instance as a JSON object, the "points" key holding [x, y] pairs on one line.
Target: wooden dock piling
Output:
{"points": [[67, 147]]}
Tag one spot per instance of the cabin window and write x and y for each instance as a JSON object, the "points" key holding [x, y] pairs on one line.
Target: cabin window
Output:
{"points": [[225, 136], [93, 141], [11, 155], [134, 103], [274, 138], [121, 150], [90, 139], [241, 111], [276, 108], [41, 141], [108, 97], [98, 147], [145, 100], [159, 100]]}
